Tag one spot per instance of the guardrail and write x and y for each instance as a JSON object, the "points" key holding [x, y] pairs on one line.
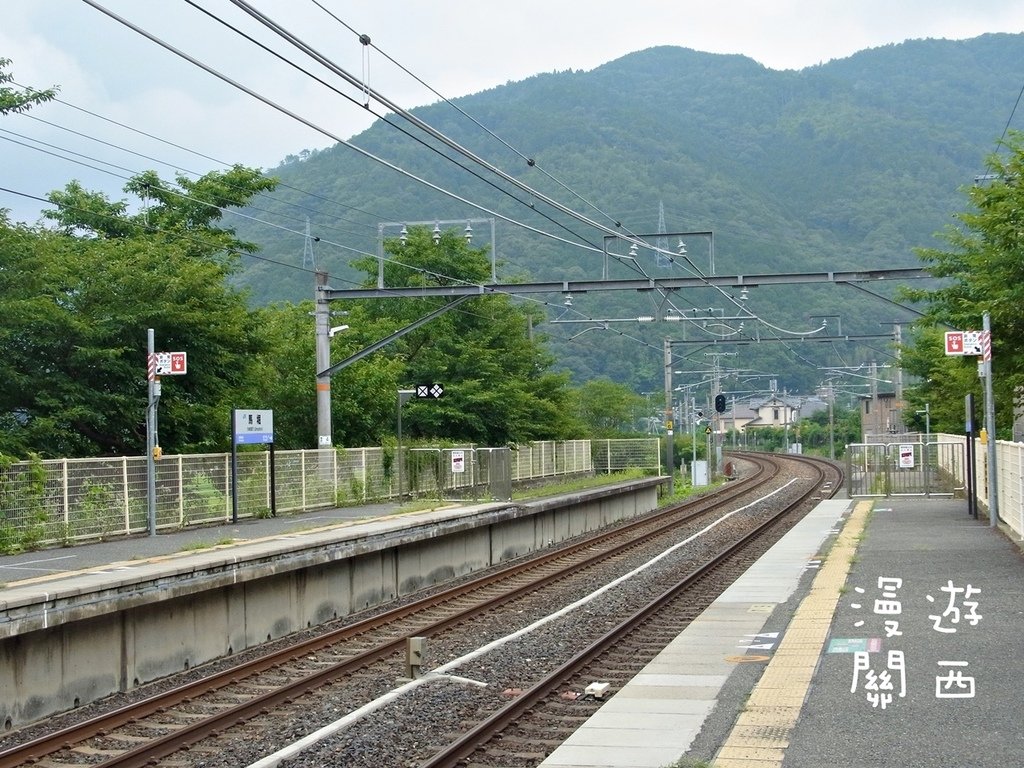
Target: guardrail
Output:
{"points": [[61, 501], [949, 461]]}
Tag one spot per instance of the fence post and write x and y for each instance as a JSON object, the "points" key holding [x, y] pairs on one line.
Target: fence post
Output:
{"points": [[302, 474], [334, 475], [67, 495], [181, 489], [127, 505]]}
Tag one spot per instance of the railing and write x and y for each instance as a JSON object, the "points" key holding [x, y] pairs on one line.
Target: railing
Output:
{"points": [[909, 467], [951, 465], [62, 501]]}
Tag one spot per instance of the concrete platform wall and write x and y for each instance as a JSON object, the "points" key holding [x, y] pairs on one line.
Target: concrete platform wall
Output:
{"points": [[100, 636]]}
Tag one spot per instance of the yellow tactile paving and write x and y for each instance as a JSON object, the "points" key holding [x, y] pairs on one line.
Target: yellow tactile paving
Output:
{"points": [[761, 733]]}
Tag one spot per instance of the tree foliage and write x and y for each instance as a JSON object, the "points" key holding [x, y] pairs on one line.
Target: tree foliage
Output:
{"points": [[608, 409], [13, 100], [75, 306], [982, 271], [187, 211], [495, 372]]}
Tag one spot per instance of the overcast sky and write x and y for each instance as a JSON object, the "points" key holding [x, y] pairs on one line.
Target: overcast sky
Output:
{"points": [[457, 47]]}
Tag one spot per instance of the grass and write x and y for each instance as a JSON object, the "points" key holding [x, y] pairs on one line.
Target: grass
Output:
{"points": [[539, 491], [195, 546], [577, 484]]}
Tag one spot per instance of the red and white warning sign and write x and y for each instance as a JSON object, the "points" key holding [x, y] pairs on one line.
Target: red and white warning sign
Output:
{"points": [[965, 342], [170, 363]]}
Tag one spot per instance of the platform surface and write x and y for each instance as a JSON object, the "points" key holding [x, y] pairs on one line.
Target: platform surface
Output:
{"points": [[876, 634]]}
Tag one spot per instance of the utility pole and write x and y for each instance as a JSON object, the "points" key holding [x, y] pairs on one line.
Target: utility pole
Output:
{"points": [[669, 458], [831, 420], [151, 430], [322, 317]]}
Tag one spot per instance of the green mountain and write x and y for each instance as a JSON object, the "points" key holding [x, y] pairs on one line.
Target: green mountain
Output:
{"points": [[847, 165]]}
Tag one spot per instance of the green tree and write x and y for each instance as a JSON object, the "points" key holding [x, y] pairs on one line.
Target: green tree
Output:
{"points": [[498, 384], [941, 383], [187, 211], [13, 100], [363, 395], [74, 311], [818, 437], [983, 271], [608, 409]]}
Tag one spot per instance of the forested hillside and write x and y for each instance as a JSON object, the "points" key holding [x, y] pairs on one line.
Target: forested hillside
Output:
{"points": [[851, 164]]}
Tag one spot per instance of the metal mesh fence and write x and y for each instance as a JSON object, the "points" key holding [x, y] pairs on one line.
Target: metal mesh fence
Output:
{"points": [[616, 455], [67, 500]]}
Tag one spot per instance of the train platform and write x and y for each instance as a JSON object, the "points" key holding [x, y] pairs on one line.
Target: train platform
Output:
{"points": [[874, 634], [57, 561]]}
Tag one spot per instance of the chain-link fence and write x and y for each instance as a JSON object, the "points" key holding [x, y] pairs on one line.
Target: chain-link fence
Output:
{"points": [[66, 500]]}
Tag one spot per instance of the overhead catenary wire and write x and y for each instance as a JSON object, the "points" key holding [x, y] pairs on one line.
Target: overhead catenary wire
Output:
{"points": [[383, 117], [371, 156], [398, 109], [310, 124], [257, 257], [530, 161], [222, 163]]}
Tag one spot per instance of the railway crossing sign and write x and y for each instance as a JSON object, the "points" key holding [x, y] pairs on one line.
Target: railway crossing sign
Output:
{"points": [[429, 391]]}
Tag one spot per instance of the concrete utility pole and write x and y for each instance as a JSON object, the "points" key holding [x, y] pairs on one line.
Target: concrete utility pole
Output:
{"points": [[669, 458], [322, 317]]}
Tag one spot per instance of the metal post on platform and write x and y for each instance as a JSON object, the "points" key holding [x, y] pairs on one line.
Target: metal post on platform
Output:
{"points": [[990, 421], [403, 395], [972, 502], [151, 430]]}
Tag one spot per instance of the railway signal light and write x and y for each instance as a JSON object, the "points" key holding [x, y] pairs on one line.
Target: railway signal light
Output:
{"points": [[720, 403]]}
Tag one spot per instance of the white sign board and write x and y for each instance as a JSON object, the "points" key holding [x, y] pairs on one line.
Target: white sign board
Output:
{"points": [[253, 426], [906, 457], [171, 363], [964, 343], [458, 461]]}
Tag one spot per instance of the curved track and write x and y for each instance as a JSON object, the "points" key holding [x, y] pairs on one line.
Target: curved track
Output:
{"points": [[369, 650], [533, 712]]}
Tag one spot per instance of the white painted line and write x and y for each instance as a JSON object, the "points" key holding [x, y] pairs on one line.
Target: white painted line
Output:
{"points": [[20, 566], [275, 759]]}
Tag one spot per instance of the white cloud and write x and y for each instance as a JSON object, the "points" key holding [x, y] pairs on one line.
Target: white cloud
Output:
{"points": [[456, 46]]}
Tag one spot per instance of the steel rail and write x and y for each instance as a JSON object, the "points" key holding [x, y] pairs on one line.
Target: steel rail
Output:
{"points": [[470, 742], [143, 755]]}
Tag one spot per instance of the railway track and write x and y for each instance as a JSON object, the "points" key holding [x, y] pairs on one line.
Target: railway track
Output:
{"points": [[513, 733], [361, 658]]}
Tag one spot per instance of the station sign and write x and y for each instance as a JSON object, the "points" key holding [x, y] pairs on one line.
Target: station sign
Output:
{"points": [[252, 427]]}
